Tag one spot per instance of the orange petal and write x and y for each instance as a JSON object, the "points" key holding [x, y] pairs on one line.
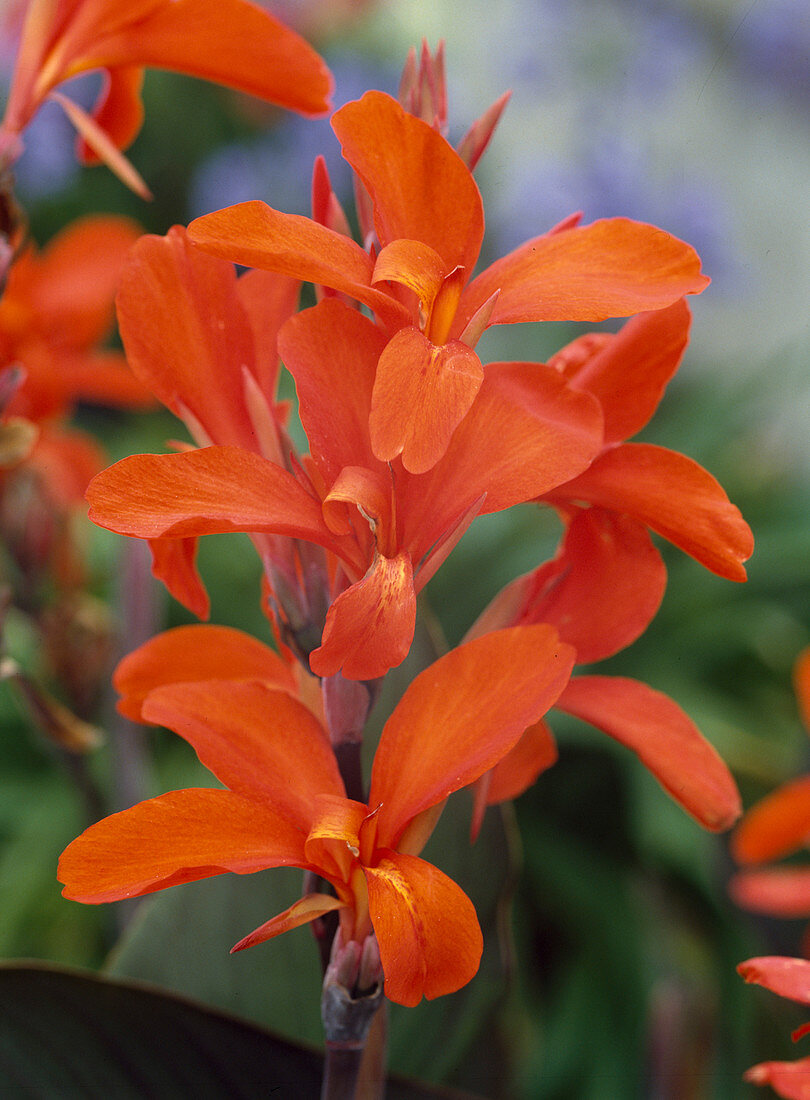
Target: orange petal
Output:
{"points": [[673, 495], [202, 492], [428, 934], [179, 837], [420, 187], [260, 742], [421, 394], [481, 696], [334, 832], [412, 264], [603, 589], [174, 562], [186, 334], [118, 110], [534, 753], [628, 373], [332, 352], [665, 740], [776, 826], [801, 684], [190, 653], [254, 234], [611, 268], [784, 976], [369, 627], [104, 150], [104, 378], [789, 1079], [526, 432], [303, 911], [268, 300], [778, 891]]}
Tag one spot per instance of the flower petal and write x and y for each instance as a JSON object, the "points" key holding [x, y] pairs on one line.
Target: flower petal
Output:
{"points": [[306, 909], [783, 976], [629, 372], [118, 110], [428, 934], [201, 492], [673, 495], [665, 740], [369, 627], [260, 742], [789, 1079], [778, 891], [421, 394], [481, 696], [179, 837], [801, 684], [776, 826], [534, 753], [611, 268], [421, 188], [187, 654], [174, 562]]}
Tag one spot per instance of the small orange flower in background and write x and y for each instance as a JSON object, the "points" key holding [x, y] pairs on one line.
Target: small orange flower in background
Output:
{"points": [[232, 42], [787, 978], [777, 826], [285, 803]]}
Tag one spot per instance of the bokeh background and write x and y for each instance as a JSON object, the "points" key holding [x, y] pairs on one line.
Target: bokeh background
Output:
{"points": [[622, 941]]}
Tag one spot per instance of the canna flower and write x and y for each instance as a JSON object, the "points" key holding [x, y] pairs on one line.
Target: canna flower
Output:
{"points": [[416, 272], [600, 592], [56, 310], [206, 343], [787, 978], [777, 826], [285, 804], [231, 42]]}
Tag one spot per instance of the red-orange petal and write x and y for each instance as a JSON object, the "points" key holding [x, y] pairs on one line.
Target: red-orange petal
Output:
{"points": [[421, 188], [665, 740], [534, 753], [369, 627], [332, 352], [673, 495], [179, 837], [776, 826], [629, 372], [789, 1079], [174, 563], [428, 934], [784, 976], [260, 742], [611, 268], [303, 911], [189, 653], [422, 392], [801, 684], [205, 491], [481, 696], [778, 891], [254, 234], [118, 110]]}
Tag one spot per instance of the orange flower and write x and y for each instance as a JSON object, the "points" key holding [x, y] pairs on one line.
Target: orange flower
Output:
{"points": [[787, 978], [285, 804], [417, 276], [232, 42], [777, 826], [56, 309], [206, 344]]}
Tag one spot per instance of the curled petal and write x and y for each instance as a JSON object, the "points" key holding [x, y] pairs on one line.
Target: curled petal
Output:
{"points": [[778, 891], [179, 837], [118, 110], [422, 392], [174, 562], [369, 627], [429, 938], [776, 826], [303, 911], [260, 742], [665, 740], [611, 268], [481, 696], [673, 495], [190, 653]]}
